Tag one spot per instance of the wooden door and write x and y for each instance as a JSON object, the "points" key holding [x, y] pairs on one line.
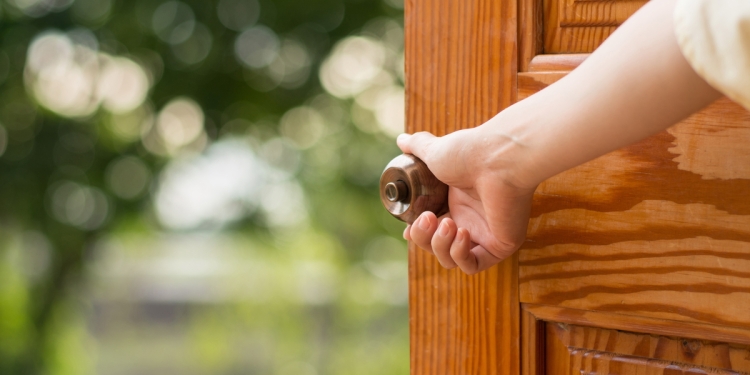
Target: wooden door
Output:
{"points": [[637, 262]]}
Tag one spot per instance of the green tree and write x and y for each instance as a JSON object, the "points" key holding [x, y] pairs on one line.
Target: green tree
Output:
{"points": [[103, 102]]}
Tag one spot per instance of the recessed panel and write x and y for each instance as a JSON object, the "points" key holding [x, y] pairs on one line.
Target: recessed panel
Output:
{"points": [[579, 26]]}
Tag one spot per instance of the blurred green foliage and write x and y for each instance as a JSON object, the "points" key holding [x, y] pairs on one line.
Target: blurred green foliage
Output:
{"points": [[191, 187]]}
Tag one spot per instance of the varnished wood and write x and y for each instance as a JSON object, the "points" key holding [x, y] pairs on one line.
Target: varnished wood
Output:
{"points": [[533, 345], [556, 63], [592, 13], [531, 83], [579, 26], [604, 351], [587, 362], [462, 324], [557, 355], [660, 228], [419, 189], [530, 32], [688, 279], [634, 323], [461, 64], [566, 341], [651, 239]]}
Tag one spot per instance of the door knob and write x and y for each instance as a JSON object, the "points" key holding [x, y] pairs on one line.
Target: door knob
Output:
{"points": [[408, 188]]}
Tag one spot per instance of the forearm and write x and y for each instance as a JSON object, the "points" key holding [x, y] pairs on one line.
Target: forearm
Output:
{"points": [[636, 84]]}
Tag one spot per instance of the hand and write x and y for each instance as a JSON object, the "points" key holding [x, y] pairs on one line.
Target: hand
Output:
{"points": [[635, 84], [489, 207]]}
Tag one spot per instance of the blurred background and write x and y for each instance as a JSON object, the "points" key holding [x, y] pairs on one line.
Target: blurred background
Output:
{"points": [[190, 187]]}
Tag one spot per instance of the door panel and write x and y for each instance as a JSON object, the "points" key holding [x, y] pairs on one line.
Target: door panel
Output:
{"points": [[637, 262], [537, 314], [576, 350], [560, 347], [660, 228], [577, 26]]}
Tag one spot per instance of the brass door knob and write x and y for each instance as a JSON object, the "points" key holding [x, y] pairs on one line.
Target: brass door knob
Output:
{"points": [[408, 188]]}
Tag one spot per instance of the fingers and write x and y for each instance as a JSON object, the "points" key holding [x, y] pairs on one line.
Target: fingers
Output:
{"points": [[452, 246], [459, 249], [416, 144], [423, 229], [471, 259], [442, 242]]}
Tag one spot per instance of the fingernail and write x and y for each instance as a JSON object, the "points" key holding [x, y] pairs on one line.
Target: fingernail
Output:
{"points": [[460, 236], [443, 230], [402, 137], [424, 224]]}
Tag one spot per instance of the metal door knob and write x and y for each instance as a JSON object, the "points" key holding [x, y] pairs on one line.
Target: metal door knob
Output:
{"points": [[408, 188]]}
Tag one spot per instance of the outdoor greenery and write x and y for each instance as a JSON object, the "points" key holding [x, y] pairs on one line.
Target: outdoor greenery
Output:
{"points": [[190, 187]]}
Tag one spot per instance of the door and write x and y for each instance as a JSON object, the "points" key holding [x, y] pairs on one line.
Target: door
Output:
{"points": [[636, 262]]}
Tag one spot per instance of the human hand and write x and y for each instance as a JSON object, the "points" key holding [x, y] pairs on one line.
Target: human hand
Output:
{"points": [[637, 83], [489, 205]]}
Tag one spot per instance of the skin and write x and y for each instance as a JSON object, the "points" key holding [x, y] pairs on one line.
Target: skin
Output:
{"points": [[637, 83]]}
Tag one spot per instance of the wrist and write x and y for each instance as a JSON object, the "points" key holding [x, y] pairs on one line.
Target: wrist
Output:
{"points": [[508, 149]]}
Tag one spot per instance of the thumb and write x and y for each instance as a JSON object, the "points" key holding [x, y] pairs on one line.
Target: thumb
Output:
{"points": [[416, 144]]}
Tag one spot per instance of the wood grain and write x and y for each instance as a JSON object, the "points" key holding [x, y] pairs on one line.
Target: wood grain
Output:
{"points": [[653, 238], [461, 61], [531, 83], [660, 228], [625, 322], [462, 324], [556, 63], [533, 345], [567, 341], [579, 26], [591, 350], [461, 64], [591, 13], [694, 279], [530, 32]]}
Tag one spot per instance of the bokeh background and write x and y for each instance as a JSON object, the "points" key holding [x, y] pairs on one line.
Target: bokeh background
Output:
{"points": [[190, 187]]}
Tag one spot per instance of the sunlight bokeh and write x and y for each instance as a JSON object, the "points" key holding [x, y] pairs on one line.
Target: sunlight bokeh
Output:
{"points": [[191, 187]]}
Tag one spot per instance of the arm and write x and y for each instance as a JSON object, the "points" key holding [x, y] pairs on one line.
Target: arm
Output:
{"points": [[636, 84]]}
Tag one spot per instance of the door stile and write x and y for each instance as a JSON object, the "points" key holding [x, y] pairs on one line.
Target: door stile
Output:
{"points": [[461, 69]]}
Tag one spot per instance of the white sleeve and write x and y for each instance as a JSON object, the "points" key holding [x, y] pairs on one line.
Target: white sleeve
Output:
{"points": [[714, 36]]}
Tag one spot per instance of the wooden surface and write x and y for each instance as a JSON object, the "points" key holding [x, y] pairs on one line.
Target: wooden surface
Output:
{"points": [[460, 62], [637, 262], [461, 324], [460, 71], [530, 32], [660, 228], [627, 322], [647, 247], [556, 63], [553, 347], [579, 26], [574, 349], [532, 344]]}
